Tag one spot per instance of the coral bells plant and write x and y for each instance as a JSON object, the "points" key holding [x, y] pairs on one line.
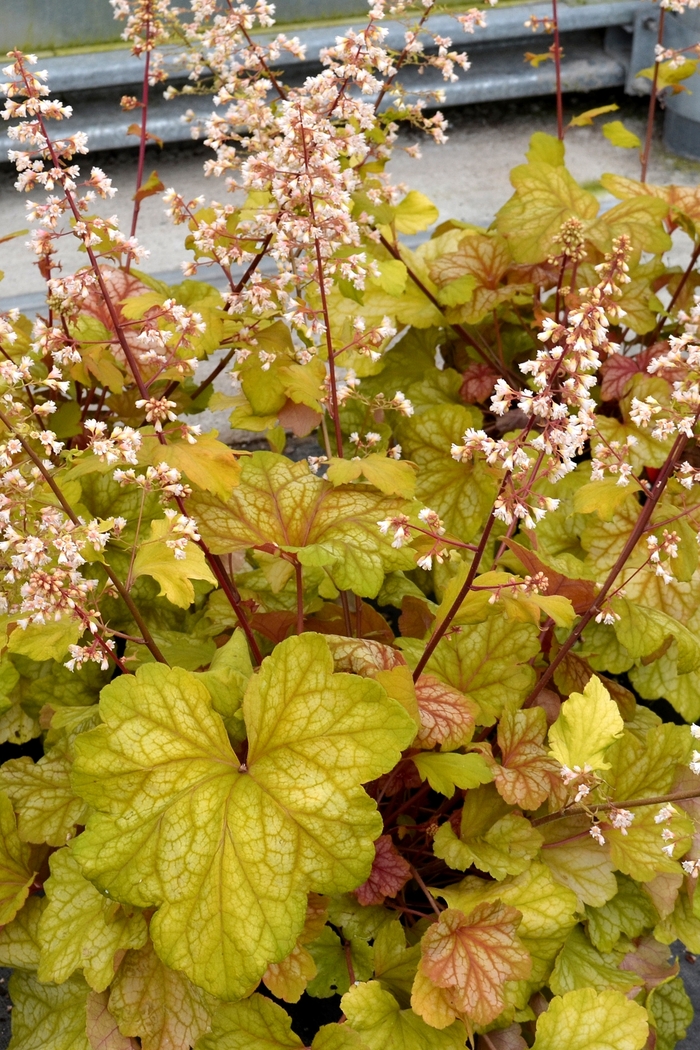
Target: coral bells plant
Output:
{"points": [[356, 751]]}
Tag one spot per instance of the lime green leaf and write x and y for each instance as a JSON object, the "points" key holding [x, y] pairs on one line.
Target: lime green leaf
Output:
{"points": [[583, 119], [630, 912], [332, 976], [643, 632], [16, 875], [253, 1024], [48, 1016], [19, 939], [578, 862], [46, 805], [393, 274], [208, 463], [283, 503], [461, 493], [157, 1005], [580, 965], [154, 558], [492, 837], [395, 964], [670, 1012], [545, 196], [382, 1025], [590, 1020], [547, 148], [313, 736], [415, 213], [616, 132], [81, 928], [448, 771], [46, 641], [488, 662], [392, 477], [669, 74], [227, 678], [588, 724], [459, 291], [602, 497]]}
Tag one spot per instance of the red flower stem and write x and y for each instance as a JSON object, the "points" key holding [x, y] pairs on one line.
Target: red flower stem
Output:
{"points": [[144, 132], [637, 532], [652, 102], [556, 50]]}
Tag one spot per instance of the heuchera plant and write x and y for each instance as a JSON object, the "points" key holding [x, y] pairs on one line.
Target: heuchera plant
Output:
{"points": [[372, 723]]}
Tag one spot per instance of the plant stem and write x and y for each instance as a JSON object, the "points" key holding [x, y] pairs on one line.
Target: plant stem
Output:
{"points": [[652, 101], [603, 807], [144, 134], [428, 895], [463, 592], [68, 510], [556, 51], [634, 537]]}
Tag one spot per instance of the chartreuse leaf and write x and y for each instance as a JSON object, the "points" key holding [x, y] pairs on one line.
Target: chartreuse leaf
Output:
{"points": [[578, 862], [395, 964], [492, 837], [461, 493], [616, 132], [580, 965], [392, 477], [488, 662], [208, 463], [282, 503], [545, 196], [589, 1020], [259, 1024], [630, 912], [382, 1025], [670, 1012], [228, 852], [226, 681], [154, 558], [19, 939], [450, 770], [46, 641], [415, 213], [81, 928], [158, 1005], [47, 807], [16, 874], [588, 724], [48, 1016], [332, 976]]}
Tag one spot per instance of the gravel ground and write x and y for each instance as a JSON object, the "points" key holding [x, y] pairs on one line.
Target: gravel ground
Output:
{"points": [[467, 179]]}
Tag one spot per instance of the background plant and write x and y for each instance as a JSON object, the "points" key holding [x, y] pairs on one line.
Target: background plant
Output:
{"points": [[370, 723]]}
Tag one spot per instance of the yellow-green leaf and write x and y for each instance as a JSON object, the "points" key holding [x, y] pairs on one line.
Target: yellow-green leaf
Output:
{"points": [[591, 1020], [415, 213], [448, 771], [587, 725], [154, 558], [16, 874], [81, 928], [382, 1025], [48, 1016], [616, 133], [228, 851]]}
